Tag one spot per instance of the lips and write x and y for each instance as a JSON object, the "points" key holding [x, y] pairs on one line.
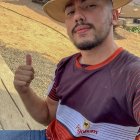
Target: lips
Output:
{"points": [[81, 29]]}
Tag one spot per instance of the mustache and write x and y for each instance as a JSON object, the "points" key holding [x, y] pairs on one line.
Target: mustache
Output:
{"points": [[78, 24]]}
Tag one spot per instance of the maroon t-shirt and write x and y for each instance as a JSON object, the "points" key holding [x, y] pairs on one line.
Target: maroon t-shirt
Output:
{"points": [[108, 92]]}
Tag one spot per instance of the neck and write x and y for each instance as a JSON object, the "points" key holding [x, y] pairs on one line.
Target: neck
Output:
{"points": [[99, 53]]}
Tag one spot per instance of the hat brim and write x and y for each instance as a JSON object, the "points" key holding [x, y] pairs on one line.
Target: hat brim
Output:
{"points": [[55, 8]]}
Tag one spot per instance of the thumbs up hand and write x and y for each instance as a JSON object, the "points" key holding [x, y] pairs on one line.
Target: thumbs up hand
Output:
{"points": [[24, 76]]}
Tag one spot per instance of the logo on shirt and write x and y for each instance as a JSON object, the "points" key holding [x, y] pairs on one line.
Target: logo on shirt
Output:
{"points": [[85, 129], [86, 124]]}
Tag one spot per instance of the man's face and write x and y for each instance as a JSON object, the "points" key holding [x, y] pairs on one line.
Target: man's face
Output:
{"points": [[88, 22]]}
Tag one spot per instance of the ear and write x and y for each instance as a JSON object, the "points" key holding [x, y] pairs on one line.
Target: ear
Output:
{"points": [[115, 16]]}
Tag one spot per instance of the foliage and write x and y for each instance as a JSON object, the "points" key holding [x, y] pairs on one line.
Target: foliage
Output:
{"points": [[135, 29]]}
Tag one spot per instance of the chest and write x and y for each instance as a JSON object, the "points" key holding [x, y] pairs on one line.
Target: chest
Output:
{"points": [[85, 91]]}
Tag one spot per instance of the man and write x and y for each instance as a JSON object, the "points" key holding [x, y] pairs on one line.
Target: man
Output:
{"points": [[95, 93]]}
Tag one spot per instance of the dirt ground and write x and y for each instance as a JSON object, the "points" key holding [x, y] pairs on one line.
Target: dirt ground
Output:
{"points": [[24, 28]]}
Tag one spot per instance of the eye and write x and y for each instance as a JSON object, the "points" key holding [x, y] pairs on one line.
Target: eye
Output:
{"points": [[70, 13], [90, 6]]}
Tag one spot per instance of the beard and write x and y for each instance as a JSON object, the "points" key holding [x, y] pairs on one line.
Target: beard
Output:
{"points": [[98, 37]]}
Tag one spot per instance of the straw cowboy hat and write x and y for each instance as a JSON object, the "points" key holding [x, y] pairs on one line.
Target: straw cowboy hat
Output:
{"points": [[55, 8]]}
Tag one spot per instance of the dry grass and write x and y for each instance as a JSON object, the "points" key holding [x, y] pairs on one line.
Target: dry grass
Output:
{"points": [[129, 41], [25, 34]]}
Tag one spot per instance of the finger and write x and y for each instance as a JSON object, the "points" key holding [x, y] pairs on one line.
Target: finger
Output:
{"points": [[28, 59], [19, 83], [23, 78], [24, 72], [26, 68]]}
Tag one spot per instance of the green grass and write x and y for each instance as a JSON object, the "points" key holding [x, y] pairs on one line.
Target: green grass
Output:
{"points": [[135, 29]]}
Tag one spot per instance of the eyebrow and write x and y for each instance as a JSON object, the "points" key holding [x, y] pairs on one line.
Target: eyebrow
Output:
{"points": [[68, 5]]}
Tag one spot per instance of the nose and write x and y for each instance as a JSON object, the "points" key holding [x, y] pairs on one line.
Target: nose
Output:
{"points": [[79, 16]]}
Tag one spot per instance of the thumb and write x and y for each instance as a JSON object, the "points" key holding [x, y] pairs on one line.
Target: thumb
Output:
{"points": [[28, 59]]}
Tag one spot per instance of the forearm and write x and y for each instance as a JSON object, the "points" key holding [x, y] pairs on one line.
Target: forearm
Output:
{"points": [[41, 110], [36, 106]]}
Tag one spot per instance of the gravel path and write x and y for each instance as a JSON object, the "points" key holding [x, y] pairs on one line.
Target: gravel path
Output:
{"points": [[44, 69]]}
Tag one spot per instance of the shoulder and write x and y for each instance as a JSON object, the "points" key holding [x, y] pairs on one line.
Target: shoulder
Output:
{"points": [[61, 67], [130, 62], [132, 67], [66, 60], [134, 64]]}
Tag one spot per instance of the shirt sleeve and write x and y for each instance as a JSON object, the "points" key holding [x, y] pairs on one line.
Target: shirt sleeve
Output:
{"points": [[133, 90], [136, 101], [52, 92]]}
